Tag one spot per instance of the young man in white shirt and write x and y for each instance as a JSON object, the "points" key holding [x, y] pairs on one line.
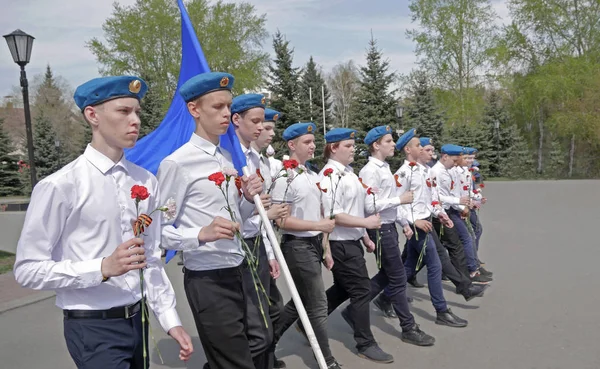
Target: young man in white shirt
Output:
{"points": [[202, 226], [247, 116], [392, 276], [411, 178], [302, 237], [345, 202], [78, 237]]}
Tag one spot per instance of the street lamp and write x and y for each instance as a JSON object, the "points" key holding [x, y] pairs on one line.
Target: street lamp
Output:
{"points": [[399, 111], [57, 145], [20, 44], [497, 128]]}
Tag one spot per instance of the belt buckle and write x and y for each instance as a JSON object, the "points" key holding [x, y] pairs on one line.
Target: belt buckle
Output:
{"points": [[127, 315]]}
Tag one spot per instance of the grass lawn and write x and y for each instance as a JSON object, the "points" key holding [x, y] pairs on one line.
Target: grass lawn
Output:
{"points": [[7, 260]]}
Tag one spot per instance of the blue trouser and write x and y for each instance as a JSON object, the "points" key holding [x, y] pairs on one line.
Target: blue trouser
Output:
{"points": [[466, 239], [392, 275], [477, 228], [106, 343], [434, 266]]}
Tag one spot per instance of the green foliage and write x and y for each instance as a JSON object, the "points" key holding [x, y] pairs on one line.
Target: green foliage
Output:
{"points": [[10, 181], [144, 39], [47, 160], [422, 112]]}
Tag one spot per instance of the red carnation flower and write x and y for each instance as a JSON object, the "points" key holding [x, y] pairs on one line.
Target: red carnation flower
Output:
{"points": [[435, 203], [412, 164], [217, 177], [482, 185], [328, 172], [465, 188], [139, 193], [290, 164]]}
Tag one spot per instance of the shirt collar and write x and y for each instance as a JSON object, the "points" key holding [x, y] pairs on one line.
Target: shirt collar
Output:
{"points": [[102, 162], [339, 166], [203, 144], [378, 162]]}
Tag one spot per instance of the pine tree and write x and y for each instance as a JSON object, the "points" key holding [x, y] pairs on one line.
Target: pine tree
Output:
{"points": [[375, 104], [312, 109], [499, 134], [422, 112], [556, 165], [518, 161], [153, 110], [10, 181], [46, 156]]}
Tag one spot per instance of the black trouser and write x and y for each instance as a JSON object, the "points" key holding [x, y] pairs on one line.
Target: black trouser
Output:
{"points": [[107, 343], [303, 257], [458, 278], [451, 242], [392, 275], [351, 280], [259, 327], [218, 304]]}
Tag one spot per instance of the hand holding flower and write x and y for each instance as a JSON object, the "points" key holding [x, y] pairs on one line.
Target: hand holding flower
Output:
{"points": [[219, 229], [127, 256]]}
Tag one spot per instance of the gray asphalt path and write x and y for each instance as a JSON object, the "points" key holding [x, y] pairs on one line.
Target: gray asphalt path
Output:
{"points": [[542, 311]]}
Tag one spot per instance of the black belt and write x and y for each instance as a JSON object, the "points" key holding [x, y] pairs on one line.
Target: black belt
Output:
{"points": [[291, 237], [120, 312]]}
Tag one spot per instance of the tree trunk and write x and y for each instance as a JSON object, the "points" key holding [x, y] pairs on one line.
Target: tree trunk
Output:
{"points": [[571, 155], [541, 142]]}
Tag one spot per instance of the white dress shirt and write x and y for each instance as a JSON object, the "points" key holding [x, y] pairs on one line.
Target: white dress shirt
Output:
{"points": [[445, 185], [432, 189], [253, 225], [462, 179], [377, 173], [304, 198], [183, 175], [275, 165], [78, 216], [415, 179], [349, 199]]}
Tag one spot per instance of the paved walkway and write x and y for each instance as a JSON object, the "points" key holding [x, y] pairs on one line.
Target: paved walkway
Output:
{"points": [[540, 240]]}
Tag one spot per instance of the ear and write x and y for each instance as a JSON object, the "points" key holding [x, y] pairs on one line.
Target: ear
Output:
{"points": [[235, 119], [91, 115], [291, 145], [193, 108]]}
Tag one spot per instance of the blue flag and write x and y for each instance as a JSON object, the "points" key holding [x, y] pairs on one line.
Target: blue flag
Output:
{"points": [[178, 125]]}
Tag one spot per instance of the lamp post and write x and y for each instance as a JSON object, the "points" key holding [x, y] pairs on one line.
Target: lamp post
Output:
{"points": [[57, 145], [399, 111], [20, 44], [497, 128]]}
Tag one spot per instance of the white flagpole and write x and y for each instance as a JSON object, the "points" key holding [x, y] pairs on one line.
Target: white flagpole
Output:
{"points": [[323, 100], [285, 271]]}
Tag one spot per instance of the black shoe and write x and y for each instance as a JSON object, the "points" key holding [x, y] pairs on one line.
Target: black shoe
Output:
{"points": [[474, 290], [385, 307], [478, 278], [485, 273], [416, 336], [450, 319], [278, 364], [376, 354], [413, 282], [206, 366], [444, 278], [334, 365], [347, 318]]}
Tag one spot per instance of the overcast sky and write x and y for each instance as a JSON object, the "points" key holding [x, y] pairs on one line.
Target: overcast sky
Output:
{"points": [[331, 30]]}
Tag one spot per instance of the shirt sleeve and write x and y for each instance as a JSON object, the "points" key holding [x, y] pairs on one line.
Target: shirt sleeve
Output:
{"points": [[403, 211], [161, 296], [44, 223], [173, 183]]}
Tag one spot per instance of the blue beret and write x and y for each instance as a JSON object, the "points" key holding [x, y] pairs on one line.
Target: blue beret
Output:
{"points": [[272, 115], [340, 134], [299, 129], [403, 140], [470, 150], [450, 149], [376, 133], [246, 102], [100, 90], [204, 83], [425, 141]]}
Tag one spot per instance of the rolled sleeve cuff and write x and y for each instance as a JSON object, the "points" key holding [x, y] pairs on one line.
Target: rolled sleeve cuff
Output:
{"points": [[168, 319], [404, 222]]}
